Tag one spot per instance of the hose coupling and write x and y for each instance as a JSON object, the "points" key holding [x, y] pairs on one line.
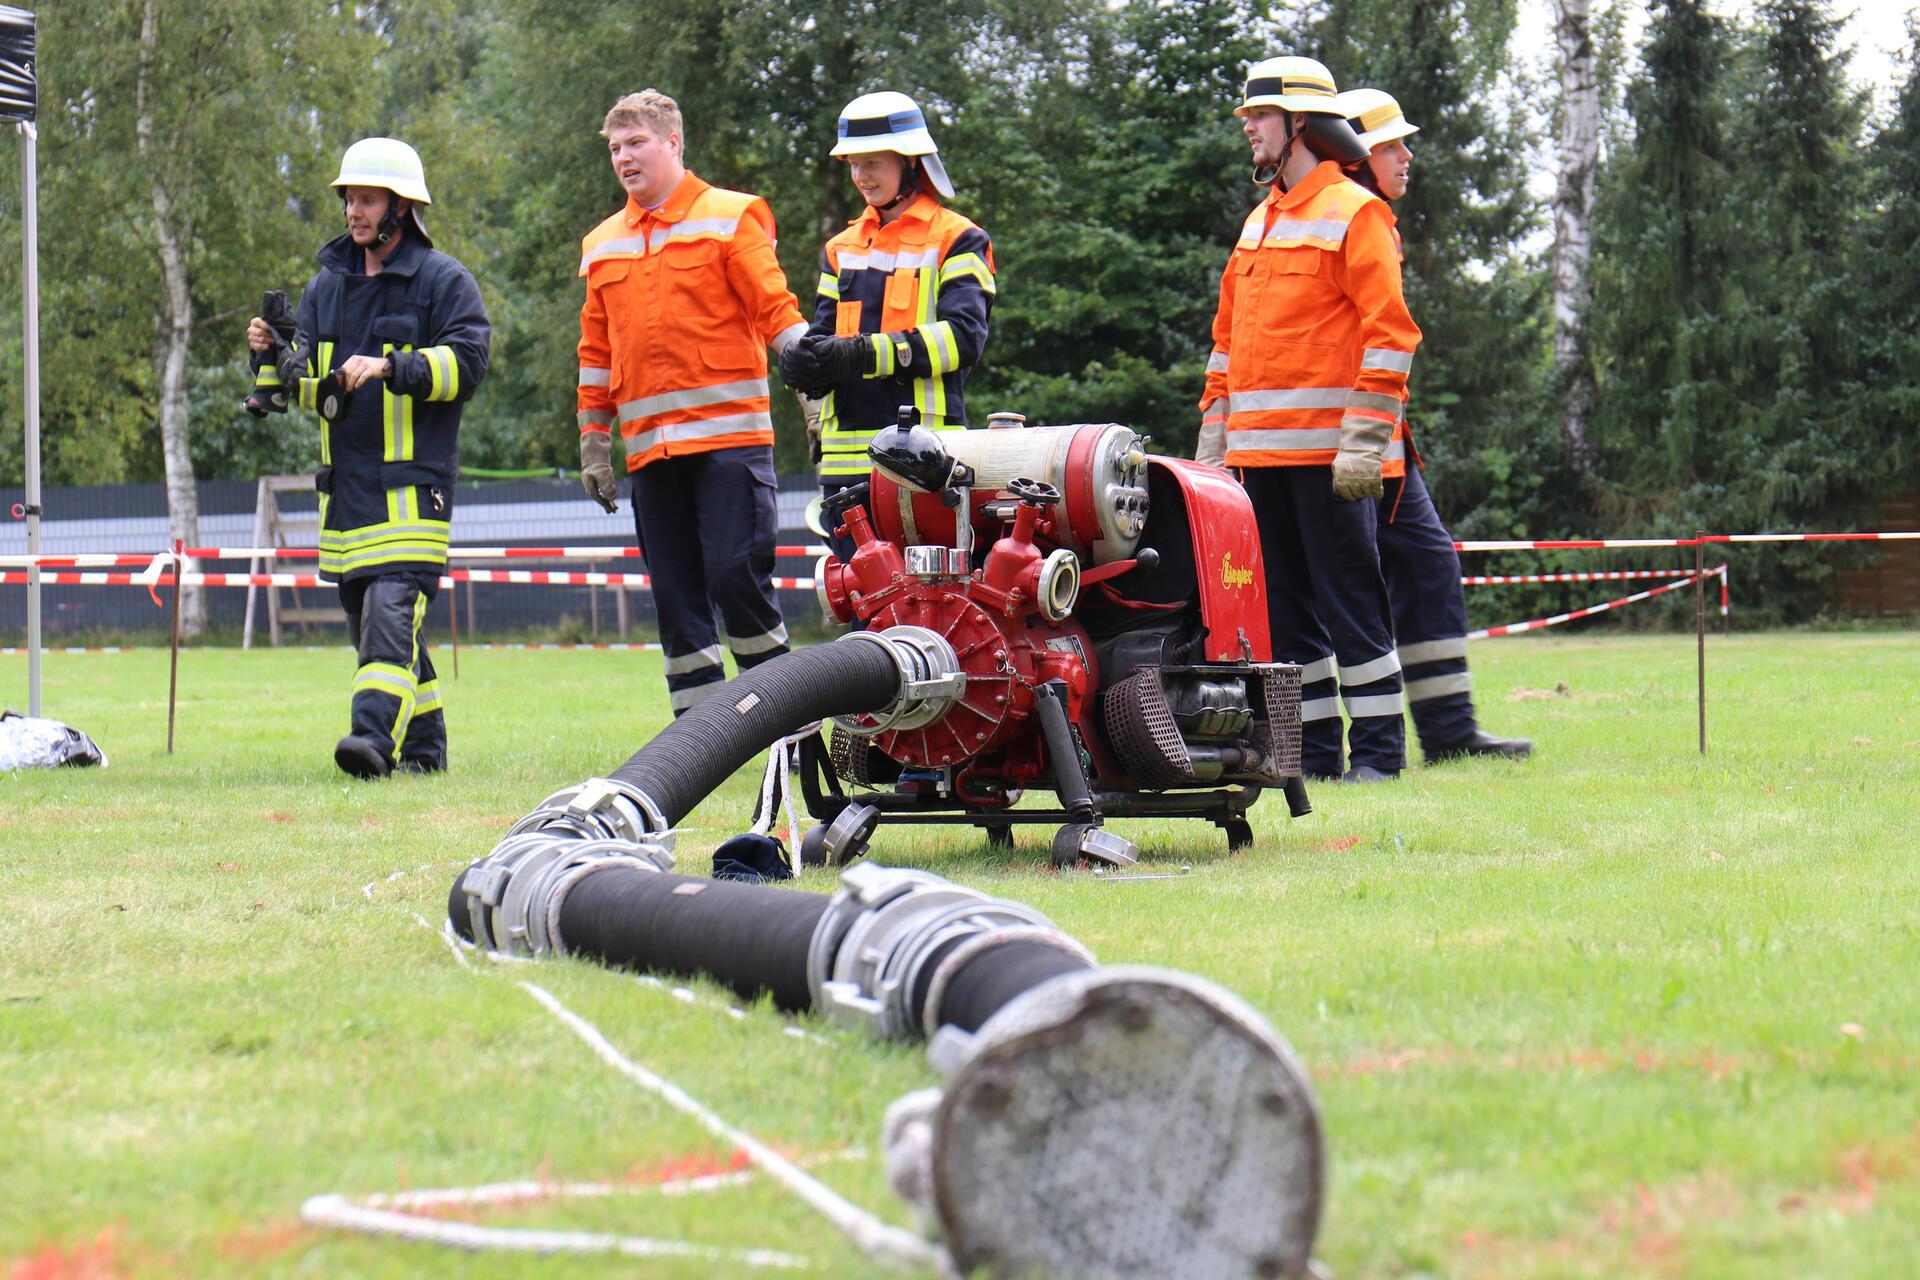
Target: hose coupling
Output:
{"points": [[514, 893], [931, 680], [871, 950]]}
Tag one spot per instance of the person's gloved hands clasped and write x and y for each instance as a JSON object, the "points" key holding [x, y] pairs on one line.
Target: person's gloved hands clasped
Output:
{"points": [[801, 371], [841, 359]]}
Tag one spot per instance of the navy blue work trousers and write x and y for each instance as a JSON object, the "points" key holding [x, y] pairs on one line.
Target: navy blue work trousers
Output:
{"points": [[1327, 609], [707, 525], [1429, 612]]}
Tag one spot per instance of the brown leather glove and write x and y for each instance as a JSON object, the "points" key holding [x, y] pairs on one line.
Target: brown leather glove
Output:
{"points": [[1211, 448], [1356, 468], [810, 409], [596, 468]]}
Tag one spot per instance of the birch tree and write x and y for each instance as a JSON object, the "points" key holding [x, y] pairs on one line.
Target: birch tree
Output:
{"points": [[1578, 156]]}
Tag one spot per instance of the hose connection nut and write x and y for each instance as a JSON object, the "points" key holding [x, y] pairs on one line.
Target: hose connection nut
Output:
{"points": [[514, 893], [931, 680], [883, 928]]}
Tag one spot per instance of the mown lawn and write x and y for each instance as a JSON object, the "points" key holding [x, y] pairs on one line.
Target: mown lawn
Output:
{"points": [[1620, 1010]]}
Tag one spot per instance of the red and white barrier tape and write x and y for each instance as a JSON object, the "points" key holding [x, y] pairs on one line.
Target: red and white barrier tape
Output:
{"points": [[103, 559], [1591, 544], [1615, 575], [1538, 624], [535, 577]]}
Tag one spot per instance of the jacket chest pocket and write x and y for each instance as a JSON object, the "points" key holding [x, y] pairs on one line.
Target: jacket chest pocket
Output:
{"points": [[1296, 261], [396, 333], [902, 306], [609, 277], [693, 284]]}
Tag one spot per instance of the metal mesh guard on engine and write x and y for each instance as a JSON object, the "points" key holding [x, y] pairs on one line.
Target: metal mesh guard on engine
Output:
{"points": [[1143, 734], [1279, 741], [848, 754]]}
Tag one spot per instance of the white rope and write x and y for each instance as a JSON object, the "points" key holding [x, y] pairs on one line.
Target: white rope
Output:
{"points": [[877, 1239], [334, 1210], [782, 757]]}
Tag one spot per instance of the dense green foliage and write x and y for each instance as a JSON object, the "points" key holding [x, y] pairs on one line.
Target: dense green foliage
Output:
{"points": [[1752, 328]]}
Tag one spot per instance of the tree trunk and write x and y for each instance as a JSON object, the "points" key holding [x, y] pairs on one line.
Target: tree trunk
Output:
{"points": [[176, 332], [1579, 159]]}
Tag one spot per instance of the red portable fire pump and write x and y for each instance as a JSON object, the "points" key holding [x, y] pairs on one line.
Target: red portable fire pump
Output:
{"points": [[1111, 642]]}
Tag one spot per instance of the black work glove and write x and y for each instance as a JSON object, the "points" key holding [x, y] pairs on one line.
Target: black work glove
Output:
{"points": [[841, 359], [801, 371]]}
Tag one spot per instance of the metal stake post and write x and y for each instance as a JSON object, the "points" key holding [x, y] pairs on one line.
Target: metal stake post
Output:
{"points": [[30, 341], [173, 677], [1700, 626], [453, 624]]}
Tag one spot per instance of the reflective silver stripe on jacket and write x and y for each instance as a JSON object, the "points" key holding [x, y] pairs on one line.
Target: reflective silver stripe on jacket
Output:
{"points": [[1217, 362], [590, 377], [692, 398], [1387, 358], [1300, 440], [785, 338], [1376, 401], [679, 432], [607, 248], [1288, 398], [885, 260], [1333, 229]]}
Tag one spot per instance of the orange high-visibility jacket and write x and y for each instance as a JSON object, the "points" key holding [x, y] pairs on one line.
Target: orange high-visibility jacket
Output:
{"points": [[682, 303], [1312, 329]]}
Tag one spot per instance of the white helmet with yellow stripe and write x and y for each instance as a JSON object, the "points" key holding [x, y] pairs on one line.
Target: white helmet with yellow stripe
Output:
{"points": [[1291, 84], [1376, 116]]}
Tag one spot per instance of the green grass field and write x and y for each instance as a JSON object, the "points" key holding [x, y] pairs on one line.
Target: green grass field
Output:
{"points": [[1619, 1010]]}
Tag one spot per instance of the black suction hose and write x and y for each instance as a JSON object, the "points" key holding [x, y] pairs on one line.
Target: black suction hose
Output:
{"points": [[991, 980], [747, 937], [703, 748]]}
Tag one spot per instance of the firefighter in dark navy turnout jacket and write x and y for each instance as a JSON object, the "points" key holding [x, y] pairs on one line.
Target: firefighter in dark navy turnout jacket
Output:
{"points": [[399, 341], [904, 296]]}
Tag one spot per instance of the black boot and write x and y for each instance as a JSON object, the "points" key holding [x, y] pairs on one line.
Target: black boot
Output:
{"points": [[361, 758], [1483, 743], [1367, 773]]}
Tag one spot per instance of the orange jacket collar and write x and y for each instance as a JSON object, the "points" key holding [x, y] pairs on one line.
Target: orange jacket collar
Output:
{"points": [[920, 209], [676, 205], [1324, 175]]}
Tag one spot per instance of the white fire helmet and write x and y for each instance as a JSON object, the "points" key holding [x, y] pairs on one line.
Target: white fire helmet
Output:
{"points": [[1375, 116], [392, 165], [888, 121], [1291, 84]]}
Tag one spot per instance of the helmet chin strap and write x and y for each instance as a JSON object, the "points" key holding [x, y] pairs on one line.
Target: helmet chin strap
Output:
{"points": [[1266, 175], [389, 224], [908, 188]]}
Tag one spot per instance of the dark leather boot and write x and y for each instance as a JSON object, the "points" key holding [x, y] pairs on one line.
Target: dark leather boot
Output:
{"points": [[1483, 743], [361, 758], [1367, 773]]}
